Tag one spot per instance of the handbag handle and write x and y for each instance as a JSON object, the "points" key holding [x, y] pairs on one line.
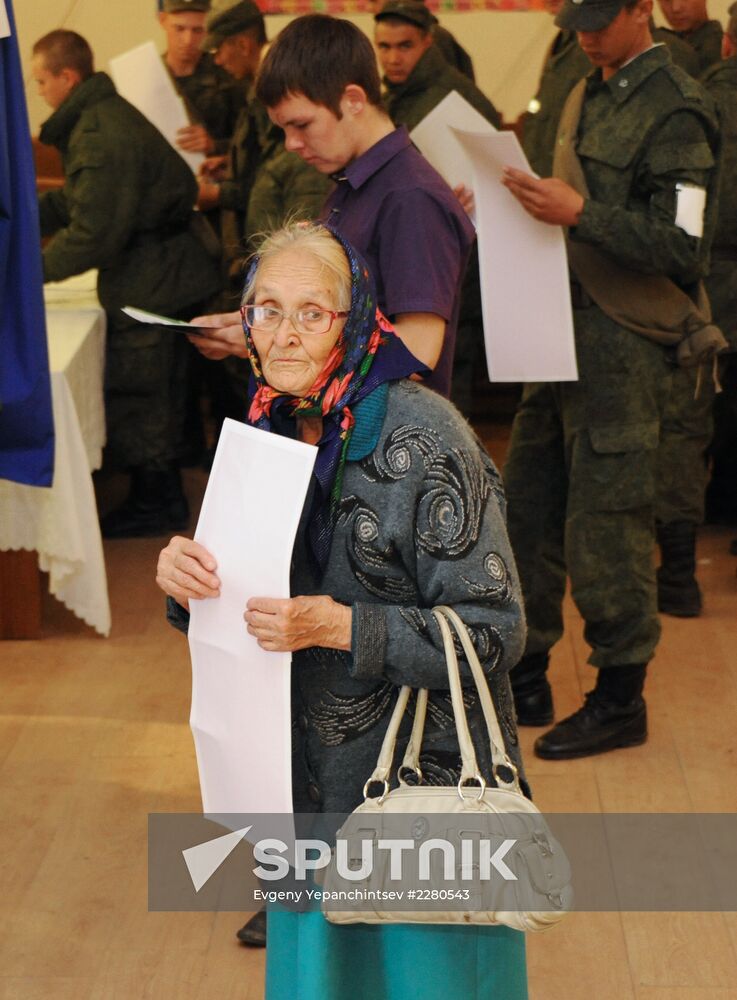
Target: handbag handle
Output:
{"points": [[499, 756], [469, 770]]}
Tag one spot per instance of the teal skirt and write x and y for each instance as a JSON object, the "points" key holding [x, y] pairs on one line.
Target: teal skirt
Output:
{"points": [[308, 958]]}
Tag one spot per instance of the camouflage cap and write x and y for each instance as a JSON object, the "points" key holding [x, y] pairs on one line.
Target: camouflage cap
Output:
{"points": [[588, 15], [222, 24], [176, 6], [412, 11]]}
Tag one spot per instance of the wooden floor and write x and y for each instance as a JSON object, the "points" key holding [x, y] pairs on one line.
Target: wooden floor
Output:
{"points": [[94, 736]]}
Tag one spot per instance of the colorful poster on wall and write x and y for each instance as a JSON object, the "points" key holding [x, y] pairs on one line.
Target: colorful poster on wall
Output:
{"points": [[295, 7]]}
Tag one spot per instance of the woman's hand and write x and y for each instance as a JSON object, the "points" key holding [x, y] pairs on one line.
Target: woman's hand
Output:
{"points": [[226, 339], [284, 626], [186, 571]]}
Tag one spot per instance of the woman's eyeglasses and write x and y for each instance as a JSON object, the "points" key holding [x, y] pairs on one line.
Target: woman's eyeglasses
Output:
{"points": [[310, 320]]}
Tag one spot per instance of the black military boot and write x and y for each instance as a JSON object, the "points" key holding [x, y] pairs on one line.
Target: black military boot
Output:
{"points": [[613, 715], [155, 505], [678, 591], [253, 932], [533, 698]]}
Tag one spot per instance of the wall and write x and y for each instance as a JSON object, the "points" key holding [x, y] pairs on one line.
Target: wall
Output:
{"points": [[508, 48]]}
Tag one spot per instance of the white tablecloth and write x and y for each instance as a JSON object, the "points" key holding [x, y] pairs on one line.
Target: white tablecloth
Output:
{"points": [[61, 523]]}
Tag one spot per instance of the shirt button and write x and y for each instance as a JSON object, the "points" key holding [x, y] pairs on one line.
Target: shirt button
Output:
{"points": [[624, 83], [314, 793]]}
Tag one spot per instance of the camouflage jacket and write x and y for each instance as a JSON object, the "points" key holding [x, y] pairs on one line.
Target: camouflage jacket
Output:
{"points": [[564, 66], [706, 41], [125, 208], [430, 81], [285, 187], [212, 97], [721, 82], [266, 184], [644, 130], [453, 52], [681, 52], [721, 284]]}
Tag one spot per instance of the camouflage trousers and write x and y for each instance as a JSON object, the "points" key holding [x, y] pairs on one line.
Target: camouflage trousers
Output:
{"points": [[580, 483], [685, 435], [145, 394]]}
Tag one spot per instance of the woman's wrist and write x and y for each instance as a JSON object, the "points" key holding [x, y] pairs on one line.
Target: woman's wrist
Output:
{"points": [[340, 626]]}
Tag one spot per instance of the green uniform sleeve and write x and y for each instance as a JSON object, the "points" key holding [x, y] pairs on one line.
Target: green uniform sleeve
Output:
{"points": [[101, 210], [642, 234], [53, 212]]}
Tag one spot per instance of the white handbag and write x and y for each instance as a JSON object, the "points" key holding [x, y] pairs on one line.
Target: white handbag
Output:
{"points": [[459, 831]]}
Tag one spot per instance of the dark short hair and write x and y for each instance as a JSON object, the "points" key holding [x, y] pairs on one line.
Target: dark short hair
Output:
{"points": [[318, 56], [63, 49]]}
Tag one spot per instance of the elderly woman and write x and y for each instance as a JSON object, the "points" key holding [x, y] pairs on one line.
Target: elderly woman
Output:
{"points": [[405, 512]]}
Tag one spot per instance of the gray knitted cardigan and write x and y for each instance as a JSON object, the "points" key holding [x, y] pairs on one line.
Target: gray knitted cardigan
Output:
{"points": [[420, 523]]}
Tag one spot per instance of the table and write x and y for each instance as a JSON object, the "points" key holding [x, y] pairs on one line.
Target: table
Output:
{"points": [[61, 523]]}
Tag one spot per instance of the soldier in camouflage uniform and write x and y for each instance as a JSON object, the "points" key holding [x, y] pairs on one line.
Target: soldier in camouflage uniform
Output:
{"points": [[213, 99], [685, 431], [721, 284], [690, 22], [416, 75], [580, 474], [126, 209], [564, 66]]}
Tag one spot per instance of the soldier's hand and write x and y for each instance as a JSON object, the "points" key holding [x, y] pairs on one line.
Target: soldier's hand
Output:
{"points": [[208, 197], [225, 336], [213, 168], [547, 199], [195, 139]]}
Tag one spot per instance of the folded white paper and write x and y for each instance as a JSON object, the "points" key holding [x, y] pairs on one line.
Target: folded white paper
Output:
{"points": [[141, 78], [241, 714], [525, 292], [437, 141]]}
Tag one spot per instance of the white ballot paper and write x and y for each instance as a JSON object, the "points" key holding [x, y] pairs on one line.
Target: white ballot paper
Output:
{"points": [[436, 140], [141, 78], [241, 714], [525, 292]]}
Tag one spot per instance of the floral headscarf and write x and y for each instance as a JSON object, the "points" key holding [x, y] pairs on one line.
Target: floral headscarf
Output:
{"points": [[367, 354]]}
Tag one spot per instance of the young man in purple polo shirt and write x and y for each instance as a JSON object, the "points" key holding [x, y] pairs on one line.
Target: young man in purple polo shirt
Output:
{"points": [[320, 84]]}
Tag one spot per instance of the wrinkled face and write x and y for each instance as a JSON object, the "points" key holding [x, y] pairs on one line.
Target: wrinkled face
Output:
{"points": [[292, 280], [400, 47], [53, 88], [315, 133], [613, 46], [185, 31], [239, 55], [684, 15]]}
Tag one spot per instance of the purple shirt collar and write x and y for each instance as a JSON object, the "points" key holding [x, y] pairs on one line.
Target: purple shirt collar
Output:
{"points": [[367, 164]]}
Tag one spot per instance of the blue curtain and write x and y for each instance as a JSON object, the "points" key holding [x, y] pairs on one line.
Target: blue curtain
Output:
{"points": [[26, 419]]}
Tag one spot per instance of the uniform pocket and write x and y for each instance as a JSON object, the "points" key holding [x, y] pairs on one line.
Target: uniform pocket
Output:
{"points": [[620, 471]]}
